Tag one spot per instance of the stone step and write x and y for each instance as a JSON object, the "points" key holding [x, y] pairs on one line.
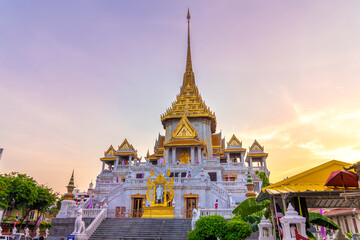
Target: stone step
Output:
{"points": [[139, 228]]}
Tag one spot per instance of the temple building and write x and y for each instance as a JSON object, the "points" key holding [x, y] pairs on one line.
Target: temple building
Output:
{"points": [[206, 169]]}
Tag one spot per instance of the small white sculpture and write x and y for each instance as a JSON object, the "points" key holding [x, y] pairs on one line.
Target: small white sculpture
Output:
{"points": [[0, 231], [27, 232], [14, 230], [195, 217], [79, 223], [38, 232], [159, 194], [46, 233]]}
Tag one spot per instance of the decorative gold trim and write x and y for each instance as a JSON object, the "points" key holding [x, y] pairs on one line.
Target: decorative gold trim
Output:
{"points": [[234, 141], [151, 186], [125, 145], [111, 151], [108, 159], [184, 129], [256, 146], [225, 177]]}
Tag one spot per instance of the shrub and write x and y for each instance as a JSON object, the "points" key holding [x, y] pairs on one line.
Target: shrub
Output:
{"points": [[237, 229], [209, 228], [45, 225]]}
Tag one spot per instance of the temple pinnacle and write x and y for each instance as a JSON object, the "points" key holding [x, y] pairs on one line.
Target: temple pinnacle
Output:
{"points": [[188, 58]]}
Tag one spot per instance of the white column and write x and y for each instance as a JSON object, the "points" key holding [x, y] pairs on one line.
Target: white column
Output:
{"points": [[199, 154], [250, 163], [228, 157], [167, 156], [242, 158], [103, 166], [264, 163], [116, 162], [173, 160], [192, 155], [130, 160]]}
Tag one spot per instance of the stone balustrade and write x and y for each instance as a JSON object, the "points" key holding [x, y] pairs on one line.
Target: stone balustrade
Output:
{"points": [[226, 213], [91, 213], [101, 215]]}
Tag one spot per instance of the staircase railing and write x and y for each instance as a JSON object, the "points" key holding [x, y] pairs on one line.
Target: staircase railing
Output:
{"points": [[114, 192], [219, 191], [195, 170], [96, 222]]}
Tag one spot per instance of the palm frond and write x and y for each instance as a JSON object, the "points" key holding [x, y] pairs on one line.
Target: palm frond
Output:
{"points": [[322, 221]]}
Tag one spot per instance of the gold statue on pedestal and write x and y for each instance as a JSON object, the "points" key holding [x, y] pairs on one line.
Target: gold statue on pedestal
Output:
{"points": [[159, 193]]}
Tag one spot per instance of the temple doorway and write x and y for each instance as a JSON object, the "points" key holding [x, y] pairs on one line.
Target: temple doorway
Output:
{"points": [[137, 204], [190, 202]]}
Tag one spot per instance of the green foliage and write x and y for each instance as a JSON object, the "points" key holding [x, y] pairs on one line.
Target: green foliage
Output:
{"points": [[349, 235], [237, 229], [251, 207], [322, 221], [4, 191], [45, 225], [265, 180], [209, 227], [23, 192], [310, 235]]}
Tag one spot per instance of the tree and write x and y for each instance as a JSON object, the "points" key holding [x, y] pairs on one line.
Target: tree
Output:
{"points": [[23, 192], [209, 228], [4, 191], [265, 180]]}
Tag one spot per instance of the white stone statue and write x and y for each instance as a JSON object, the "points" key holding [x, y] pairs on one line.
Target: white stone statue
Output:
{"points": [[27, 232], [195, 217], [0, 231], [265, 229], [46, 233], [159, 194], [291, 221], [14, 230], [79, 223], [38, 232]]}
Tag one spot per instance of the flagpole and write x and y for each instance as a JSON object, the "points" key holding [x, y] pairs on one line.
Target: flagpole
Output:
{"points": [[276, 219]]}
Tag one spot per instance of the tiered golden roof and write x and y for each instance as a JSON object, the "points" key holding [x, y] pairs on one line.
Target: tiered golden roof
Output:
{"points": [[189, 101]]}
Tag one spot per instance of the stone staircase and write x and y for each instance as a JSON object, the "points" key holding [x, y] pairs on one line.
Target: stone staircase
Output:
{"points": [[140, 228]]}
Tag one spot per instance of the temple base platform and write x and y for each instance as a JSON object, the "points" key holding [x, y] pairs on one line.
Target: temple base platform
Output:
{"points": [[158, 212]]}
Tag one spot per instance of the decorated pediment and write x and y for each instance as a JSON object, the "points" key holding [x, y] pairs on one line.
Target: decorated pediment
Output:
{"points": [[256, 147], [110, 151], [184, 129], [125, 145], [234, 141]]}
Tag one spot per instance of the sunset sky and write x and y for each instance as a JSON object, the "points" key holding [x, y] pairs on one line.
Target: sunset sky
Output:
{"points": [[78, 76]]}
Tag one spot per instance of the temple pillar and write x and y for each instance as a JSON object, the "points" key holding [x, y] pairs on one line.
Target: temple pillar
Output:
{"points": [[167, 156], [199, 155], [103, 166], [130, 160], [250, 163], [242, 158], [264, 163], [228, 158], [173, 160], [192, 155], [116, 162]]}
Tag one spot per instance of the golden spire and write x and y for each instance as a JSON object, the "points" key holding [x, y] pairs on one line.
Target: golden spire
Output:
{"points": [[188, 58], [189, 101], [189, 78]]}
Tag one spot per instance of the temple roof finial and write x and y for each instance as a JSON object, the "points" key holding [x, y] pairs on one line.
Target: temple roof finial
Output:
{"points": [[188, 58]]}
